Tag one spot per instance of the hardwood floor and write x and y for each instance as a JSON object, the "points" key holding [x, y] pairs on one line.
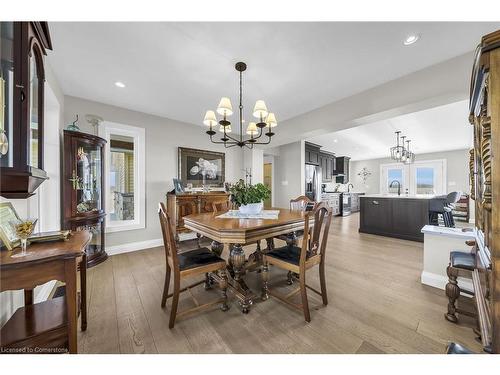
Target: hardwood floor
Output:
{"points": [[376, 305]]}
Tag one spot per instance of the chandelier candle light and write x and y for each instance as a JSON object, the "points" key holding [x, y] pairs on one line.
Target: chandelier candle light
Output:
{"points": [[266, 121]]}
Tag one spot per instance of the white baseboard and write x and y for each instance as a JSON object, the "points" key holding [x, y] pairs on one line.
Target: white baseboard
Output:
{"points": [[141, 245], [439, 281], [134, 246]]}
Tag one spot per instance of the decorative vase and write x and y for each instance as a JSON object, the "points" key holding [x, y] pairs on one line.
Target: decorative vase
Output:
{"points": [[251, 208]]}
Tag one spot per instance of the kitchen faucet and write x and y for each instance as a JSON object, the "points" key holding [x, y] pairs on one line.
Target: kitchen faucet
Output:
{"points": [[399, 186], [349, 187]]}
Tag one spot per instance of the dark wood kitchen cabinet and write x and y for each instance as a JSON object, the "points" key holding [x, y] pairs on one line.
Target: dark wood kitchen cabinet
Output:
{"points": [[327, 164], [394, 217], [312, 153], [23, 46], [342, 169]]}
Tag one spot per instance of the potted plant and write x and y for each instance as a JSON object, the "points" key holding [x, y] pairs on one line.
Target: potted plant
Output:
{"points": [[249, 198]]}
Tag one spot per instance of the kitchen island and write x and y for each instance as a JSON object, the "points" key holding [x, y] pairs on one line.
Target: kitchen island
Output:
{"points": [[394, 216]]}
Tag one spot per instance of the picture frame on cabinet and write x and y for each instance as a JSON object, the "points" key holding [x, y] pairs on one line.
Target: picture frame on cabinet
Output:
{"points": [[7, 234], [179, 189]]}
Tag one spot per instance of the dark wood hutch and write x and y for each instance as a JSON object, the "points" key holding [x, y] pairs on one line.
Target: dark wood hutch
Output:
{"points": [[82, 195], [484, 166], [23, 46]]}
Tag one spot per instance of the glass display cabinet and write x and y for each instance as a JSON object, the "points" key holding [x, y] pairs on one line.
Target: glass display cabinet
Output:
{"points": [[83, 195], [23, 46]]}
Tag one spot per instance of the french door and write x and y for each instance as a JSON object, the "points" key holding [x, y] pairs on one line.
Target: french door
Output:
{"points": [[426, 177]]}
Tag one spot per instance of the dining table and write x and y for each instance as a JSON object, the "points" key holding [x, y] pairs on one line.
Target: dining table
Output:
{"points": [[234, 232]]}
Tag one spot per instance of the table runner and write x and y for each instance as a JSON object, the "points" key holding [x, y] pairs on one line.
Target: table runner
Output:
{"points": [[264, 214]]}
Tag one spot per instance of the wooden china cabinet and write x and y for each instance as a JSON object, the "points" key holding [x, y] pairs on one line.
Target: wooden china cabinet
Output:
{"points": [[82, 190], [23, 46]]}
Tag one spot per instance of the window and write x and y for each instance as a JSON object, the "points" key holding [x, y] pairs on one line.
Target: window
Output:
{"points": [[394, 176], [124, 179], [121, 178], [419, 178], [425, 180], [390, 176]]}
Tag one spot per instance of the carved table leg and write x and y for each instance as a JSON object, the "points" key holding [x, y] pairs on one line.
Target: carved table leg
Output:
{"points": [[237, 262], [217, 247], [223, 283], [291, 239], [270, 244], [208, 281], [265, 277], [452, 292]]}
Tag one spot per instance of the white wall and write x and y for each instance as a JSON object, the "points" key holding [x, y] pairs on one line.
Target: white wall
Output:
{"points": [[163, 137], [457, 171], [254, 159], [289, 165]]}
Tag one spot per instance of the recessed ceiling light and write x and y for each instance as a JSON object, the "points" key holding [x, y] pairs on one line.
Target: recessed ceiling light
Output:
{"points": [[119, 84], [410, 39], [335, 140]]}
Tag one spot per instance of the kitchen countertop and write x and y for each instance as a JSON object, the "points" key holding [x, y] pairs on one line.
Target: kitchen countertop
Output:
{"points": [[343, 192], [460, 233], [402, 196]]}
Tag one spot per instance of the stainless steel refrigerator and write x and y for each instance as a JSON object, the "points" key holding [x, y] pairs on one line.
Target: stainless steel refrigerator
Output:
{"points": [[313, 182]]}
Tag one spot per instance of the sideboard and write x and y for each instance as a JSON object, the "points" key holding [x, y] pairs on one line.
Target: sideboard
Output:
{"points": [[180, 205]]}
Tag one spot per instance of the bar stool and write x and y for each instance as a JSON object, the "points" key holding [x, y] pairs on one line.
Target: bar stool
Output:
{"points": [[459, 260], [443, 205]]}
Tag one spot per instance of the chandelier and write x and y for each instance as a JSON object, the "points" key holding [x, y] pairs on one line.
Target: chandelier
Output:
{"points": [[255, 131], [401, 153]]}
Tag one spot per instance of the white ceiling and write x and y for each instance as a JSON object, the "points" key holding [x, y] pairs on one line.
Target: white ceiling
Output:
{"points": [[441, 128], [179, 70]]}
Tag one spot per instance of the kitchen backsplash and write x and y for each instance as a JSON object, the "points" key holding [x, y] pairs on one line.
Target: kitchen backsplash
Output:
{"points": [[330, 186]]}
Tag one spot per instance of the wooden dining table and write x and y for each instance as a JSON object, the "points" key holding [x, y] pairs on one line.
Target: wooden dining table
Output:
{"points": [[234, 233]]}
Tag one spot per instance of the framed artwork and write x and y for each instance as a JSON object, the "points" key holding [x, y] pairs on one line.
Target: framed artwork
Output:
{"points": [[178, 186], [200, 167], [7, 233]]}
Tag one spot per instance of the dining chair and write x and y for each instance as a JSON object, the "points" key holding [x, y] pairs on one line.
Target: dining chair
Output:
{"points": [[298, 260], [186, 264], [221, 205], [301, 203]]}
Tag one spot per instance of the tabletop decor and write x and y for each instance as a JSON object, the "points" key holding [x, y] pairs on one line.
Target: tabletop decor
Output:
{"points": [[7, 233], [265, 119], [57, 235], [264, 214], [201, 168], [23, 229], [248, 198]]}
